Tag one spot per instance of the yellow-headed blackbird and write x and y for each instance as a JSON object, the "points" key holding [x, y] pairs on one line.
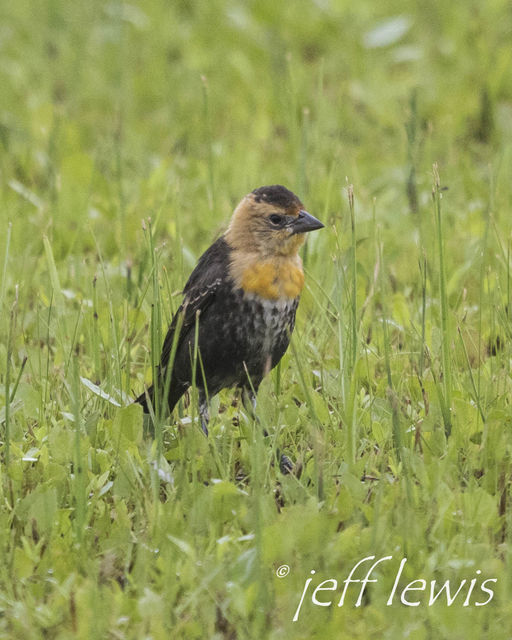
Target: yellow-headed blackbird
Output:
{"points": [[239, 303]]}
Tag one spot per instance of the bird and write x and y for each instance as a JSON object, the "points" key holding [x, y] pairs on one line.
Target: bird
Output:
{"points": [[239, 305]]}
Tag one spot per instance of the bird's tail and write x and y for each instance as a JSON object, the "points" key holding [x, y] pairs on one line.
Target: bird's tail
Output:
{"points": [[147, 398]]}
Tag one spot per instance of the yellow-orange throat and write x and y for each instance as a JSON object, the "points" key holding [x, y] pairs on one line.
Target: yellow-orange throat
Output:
{"points": [[273, 279]]}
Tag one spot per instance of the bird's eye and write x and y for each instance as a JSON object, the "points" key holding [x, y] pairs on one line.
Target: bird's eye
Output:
{"points": [[275, 219]]}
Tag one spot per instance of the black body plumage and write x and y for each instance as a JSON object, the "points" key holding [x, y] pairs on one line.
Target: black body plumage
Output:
{"points": [[239, 305], [240, 337]]}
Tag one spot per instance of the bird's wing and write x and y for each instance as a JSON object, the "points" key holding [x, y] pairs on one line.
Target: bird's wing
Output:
{"points": [[203, 285]]}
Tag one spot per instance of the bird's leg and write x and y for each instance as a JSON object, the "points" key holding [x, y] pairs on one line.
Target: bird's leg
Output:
{"points": [[204, 411], [249, 401], [286, 466]]}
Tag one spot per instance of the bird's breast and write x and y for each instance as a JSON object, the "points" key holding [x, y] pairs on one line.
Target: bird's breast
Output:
{"points": [[273, 280]]}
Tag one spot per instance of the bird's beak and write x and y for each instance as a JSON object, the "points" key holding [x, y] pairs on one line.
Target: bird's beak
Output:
{"points": [[305, 222]]}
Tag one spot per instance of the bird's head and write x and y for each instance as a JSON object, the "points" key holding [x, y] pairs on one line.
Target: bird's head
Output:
{"points": [[270, 221]]}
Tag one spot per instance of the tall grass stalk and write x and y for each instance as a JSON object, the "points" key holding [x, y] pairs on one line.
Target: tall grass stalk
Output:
{"points": [[301, 368], [159, 396], [343, 336], [116, 376], [353, 270], [7, 393], [411, 128], [18, 378], [118, 146], [476, 390], [194, 395], [402, 453], [95, 330], [6, 262], [446, 338], [481, 288], [155, 326], [258, 494], [508, 310], [302, 186], [47, 368], [57, 297], [423, 346], [392, 397], [78, 462], [209, 142], [350, 371]]}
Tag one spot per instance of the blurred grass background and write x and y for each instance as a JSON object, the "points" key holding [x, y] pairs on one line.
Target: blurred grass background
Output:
{"points": [[114, 113]]}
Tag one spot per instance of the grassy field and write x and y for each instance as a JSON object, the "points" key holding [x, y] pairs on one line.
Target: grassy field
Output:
{"points": [[128, 132]]}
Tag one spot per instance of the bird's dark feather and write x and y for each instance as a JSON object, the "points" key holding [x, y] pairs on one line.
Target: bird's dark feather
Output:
{"points": [[278, 195], [240, 338], [200, 291]]}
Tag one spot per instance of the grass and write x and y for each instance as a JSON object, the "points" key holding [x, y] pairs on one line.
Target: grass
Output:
{"points": [[128, 132]]}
